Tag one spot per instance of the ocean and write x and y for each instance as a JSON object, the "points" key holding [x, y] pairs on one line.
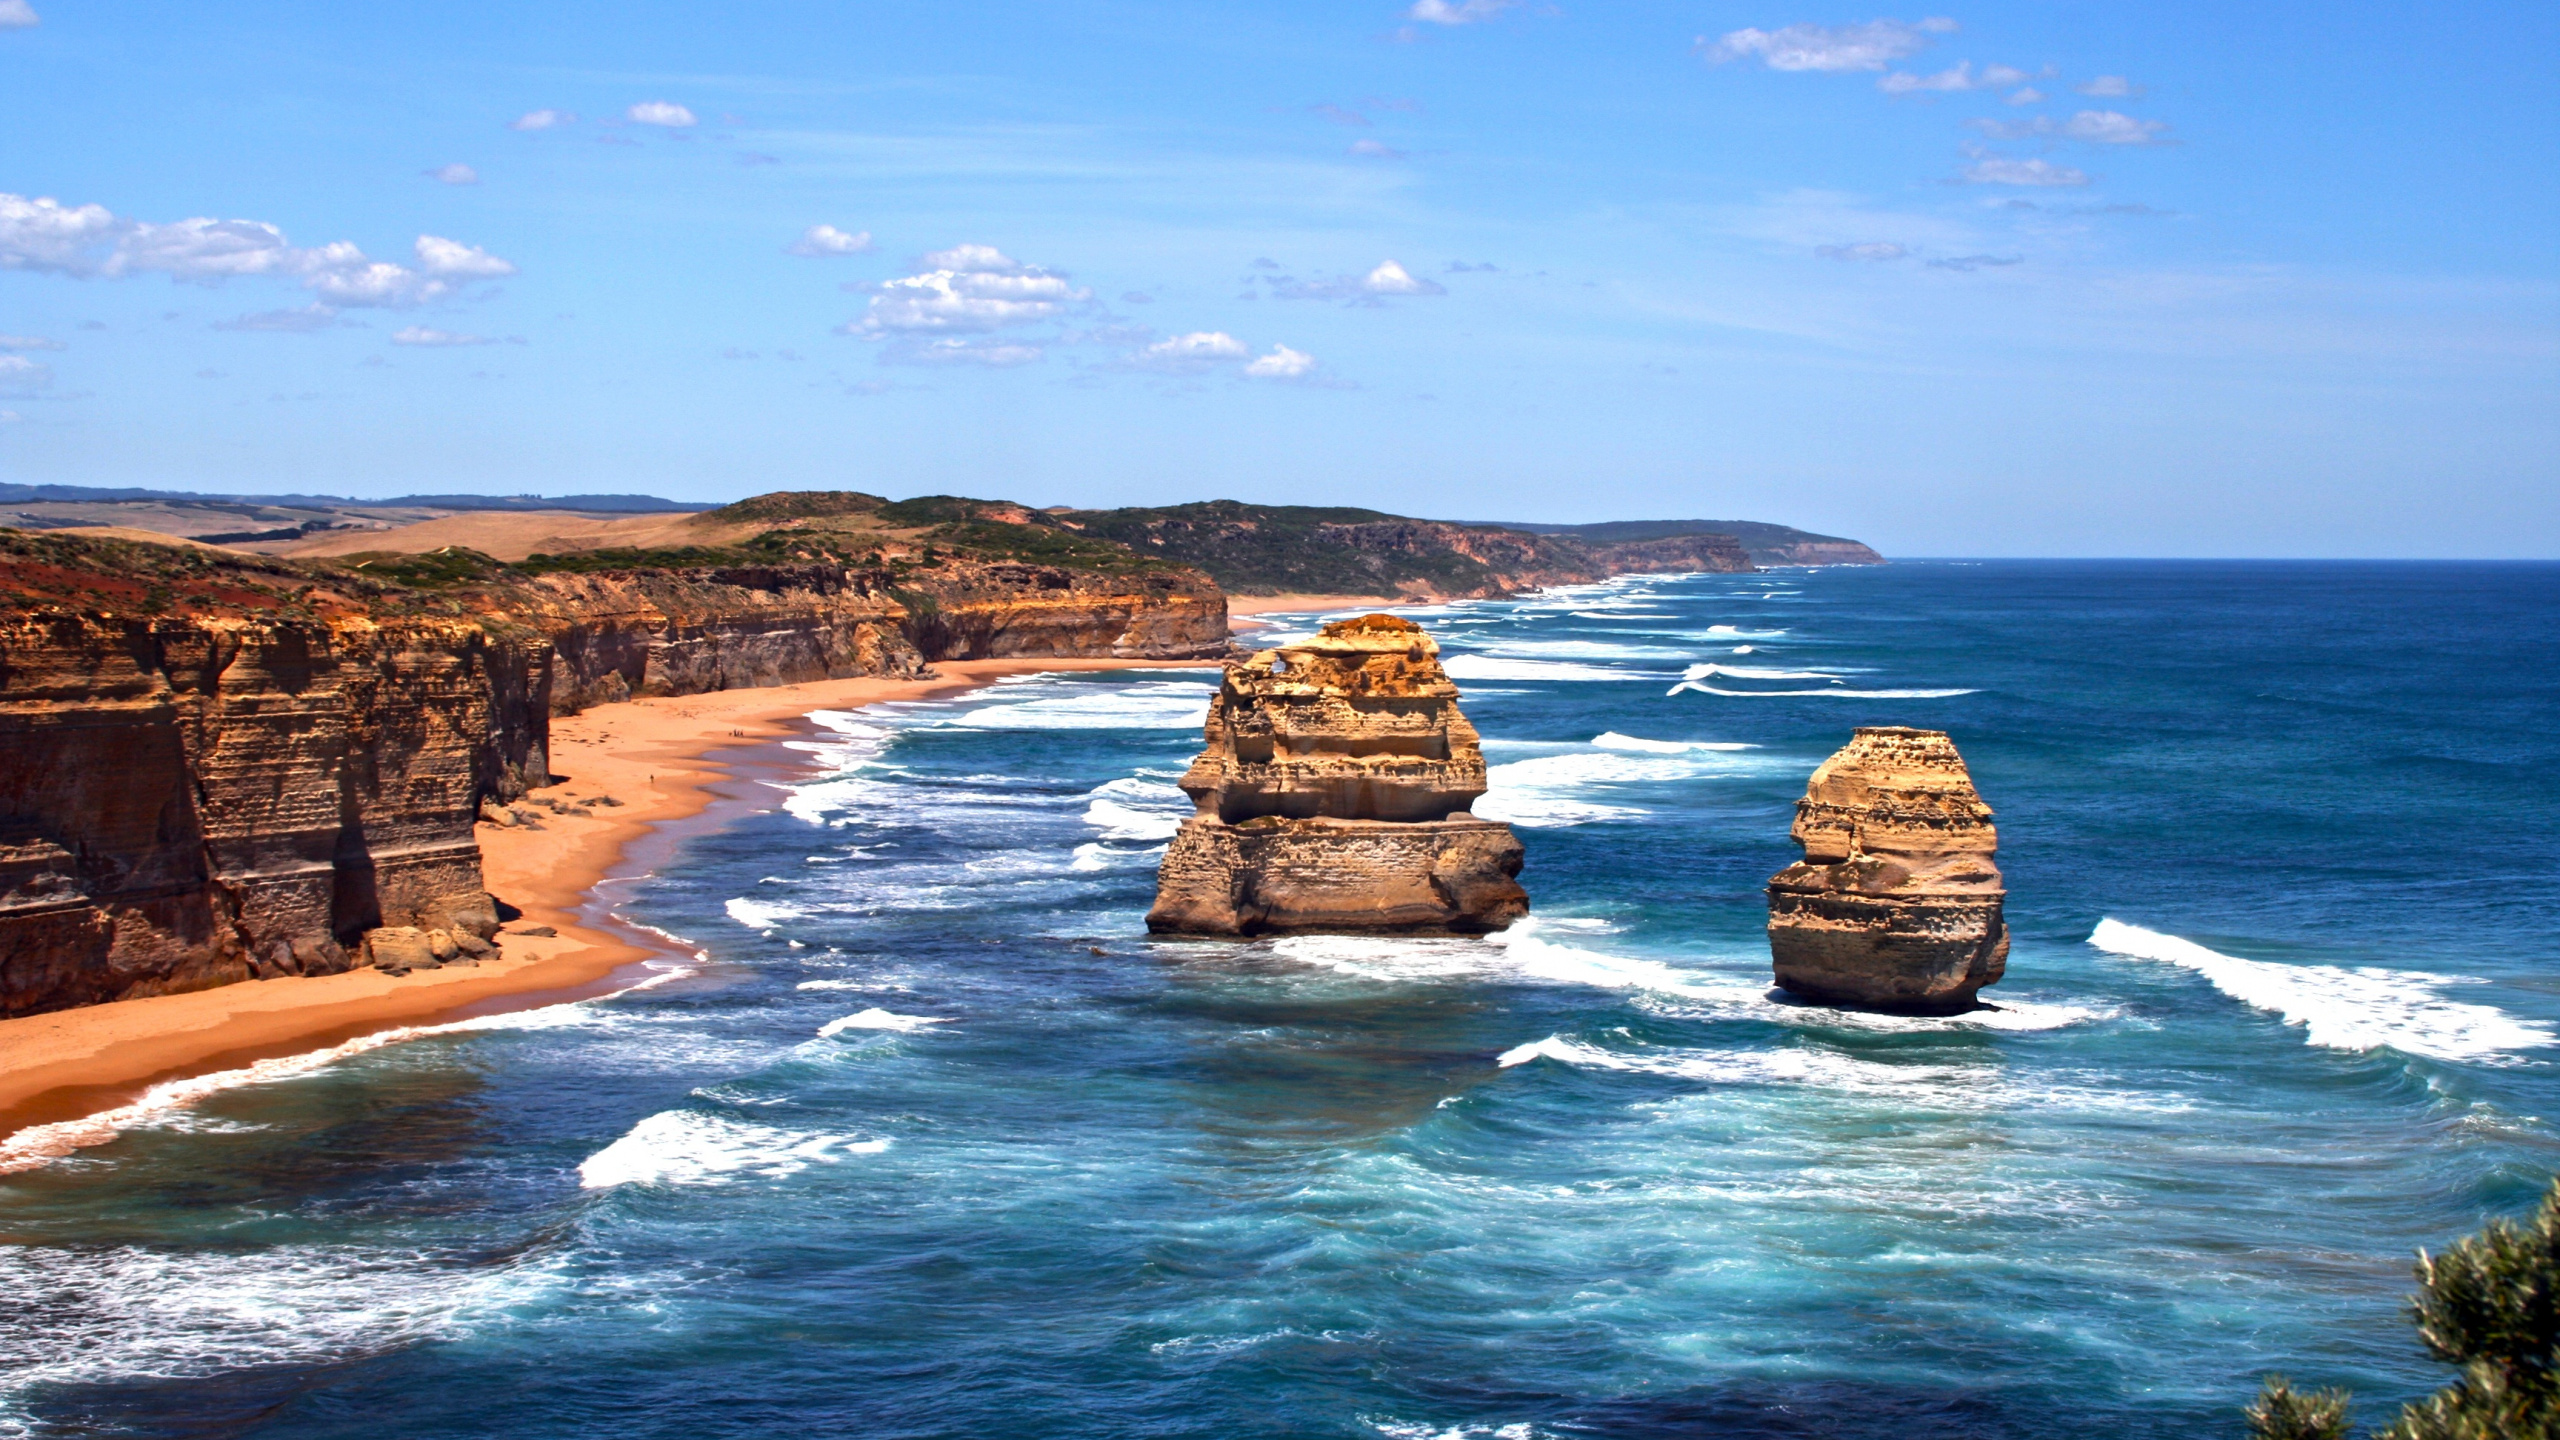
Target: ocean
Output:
{"points": [[915, 1131]]}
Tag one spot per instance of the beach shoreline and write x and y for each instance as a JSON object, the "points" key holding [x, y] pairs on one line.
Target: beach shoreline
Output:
{"points": [[660, 757]]}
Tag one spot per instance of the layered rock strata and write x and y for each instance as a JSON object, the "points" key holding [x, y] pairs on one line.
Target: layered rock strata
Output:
{"points": [[186, 802], [1896, 904], [1333, 794]]}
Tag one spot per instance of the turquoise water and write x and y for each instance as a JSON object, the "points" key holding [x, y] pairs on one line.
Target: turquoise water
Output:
{"points": [[916, 1133]]}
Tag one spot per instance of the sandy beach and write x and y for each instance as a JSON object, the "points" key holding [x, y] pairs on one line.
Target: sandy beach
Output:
{"points": [[658, 756]]}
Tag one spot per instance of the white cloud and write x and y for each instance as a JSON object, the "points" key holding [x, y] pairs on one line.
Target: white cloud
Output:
{"points": [[2110, 127], [1998, 170], [30, 342], [541, 120], [89, 240], [1282, 363], [994, 354], [439, 256], [1465, 12], [428, 335], [1390, 279], [828, 240], [455, 174], [660, 112], [1958, 76], [2028, 96], [20, 375], [1867, 250], [1995, 76], [2113, 87], [1192, 353], [11, 417], [1830, 49], [1376, 149], [17, 15], [967, 288]]}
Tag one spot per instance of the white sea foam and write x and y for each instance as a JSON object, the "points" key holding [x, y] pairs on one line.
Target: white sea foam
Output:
{"points": [[110, 1315], [1580, 650], [1120, 822], [879, 1019], [762, 914], [1612, 740], [39, 1145], [1839, 694], [1757, 672], [2342, 1008], [688, 1147], [1487, 667], [1156, 705]]}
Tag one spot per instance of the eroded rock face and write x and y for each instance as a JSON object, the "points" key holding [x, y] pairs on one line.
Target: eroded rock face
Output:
{"points": [[1896, 904], [1333, 795], [189, 801]]}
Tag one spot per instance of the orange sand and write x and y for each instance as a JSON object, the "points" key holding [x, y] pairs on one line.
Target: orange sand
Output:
{"points": [[657, 756]]}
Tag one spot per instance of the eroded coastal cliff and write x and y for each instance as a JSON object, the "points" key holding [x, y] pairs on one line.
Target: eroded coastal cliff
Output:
{"points": [[215, 767]]}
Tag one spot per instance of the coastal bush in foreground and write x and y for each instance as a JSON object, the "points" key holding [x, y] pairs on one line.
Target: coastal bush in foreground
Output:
{"points": [[2490, 1305]]}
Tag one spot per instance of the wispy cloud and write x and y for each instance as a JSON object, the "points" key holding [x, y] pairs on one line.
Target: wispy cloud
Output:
{"points": [[430, 336], [1464, 12], [30, 342], [542, 120], [18, 15], [665, 113], [22, 376], [2110, 87], [1868, 250], [1375, 150], [1830, 49], [988, 354], [2095, 127], [1976, 262], [1389, 278], [1282, 363], [1191, 354], [825, 240], [454, 174], [301, 320], [2001, 170]]}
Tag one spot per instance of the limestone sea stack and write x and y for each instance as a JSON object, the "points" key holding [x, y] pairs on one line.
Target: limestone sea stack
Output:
{"points": [[1333, 794], [1896, 904]]}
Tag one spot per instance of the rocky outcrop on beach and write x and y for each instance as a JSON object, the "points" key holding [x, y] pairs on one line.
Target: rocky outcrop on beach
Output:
{"points": [[211, 771], [1333, 794], [1896, 904]]}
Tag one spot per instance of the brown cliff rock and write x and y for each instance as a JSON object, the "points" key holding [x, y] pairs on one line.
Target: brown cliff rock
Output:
{"points": [[1333, 794], [1896, 904]]}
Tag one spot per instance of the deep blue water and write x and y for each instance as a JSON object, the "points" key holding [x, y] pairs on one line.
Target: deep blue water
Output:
{"points": [[1589, 1178]]}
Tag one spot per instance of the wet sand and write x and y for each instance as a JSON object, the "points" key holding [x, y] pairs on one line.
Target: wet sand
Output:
{"points": [[659, 757]]}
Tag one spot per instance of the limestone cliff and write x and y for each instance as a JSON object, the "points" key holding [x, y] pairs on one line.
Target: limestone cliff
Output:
{"points": [[1333, 794], [1896, 904], [212, 768]]}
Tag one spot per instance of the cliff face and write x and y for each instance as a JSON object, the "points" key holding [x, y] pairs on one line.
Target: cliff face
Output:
{"points": [[1721, 554], [1332, 795], [216, 766], [192, 801], [1897, 903]]}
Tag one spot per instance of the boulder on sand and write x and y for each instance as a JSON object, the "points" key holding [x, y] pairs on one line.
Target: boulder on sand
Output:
{"points": [[1896, 904]]}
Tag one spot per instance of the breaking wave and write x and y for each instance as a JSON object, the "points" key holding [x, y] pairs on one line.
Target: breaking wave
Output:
{"points": [[688, 1147], [879, 1019], [2340, 1008]]}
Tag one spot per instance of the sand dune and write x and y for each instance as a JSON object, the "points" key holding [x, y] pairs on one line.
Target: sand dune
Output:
{"points": [[513, 535]]}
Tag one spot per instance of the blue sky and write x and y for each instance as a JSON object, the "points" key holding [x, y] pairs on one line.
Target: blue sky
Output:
{"points": [[2006, 279]]}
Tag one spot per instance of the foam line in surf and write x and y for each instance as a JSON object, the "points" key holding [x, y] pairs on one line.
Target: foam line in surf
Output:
{"points": [[2364, 1007], [879, 1019], [688, 1147]]}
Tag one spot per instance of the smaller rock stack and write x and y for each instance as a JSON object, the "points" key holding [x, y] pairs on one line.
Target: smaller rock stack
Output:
{"points": [[1896, 904], [1333, 795]]}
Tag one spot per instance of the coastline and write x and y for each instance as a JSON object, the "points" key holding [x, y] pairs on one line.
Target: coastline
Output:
{"points": [[659, 756]]}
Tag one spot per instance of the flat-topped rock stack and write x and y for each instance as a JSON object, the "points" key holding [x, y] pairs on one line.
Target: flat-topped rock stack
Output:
{"points": [[1333, 794], [1896, 904]]}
